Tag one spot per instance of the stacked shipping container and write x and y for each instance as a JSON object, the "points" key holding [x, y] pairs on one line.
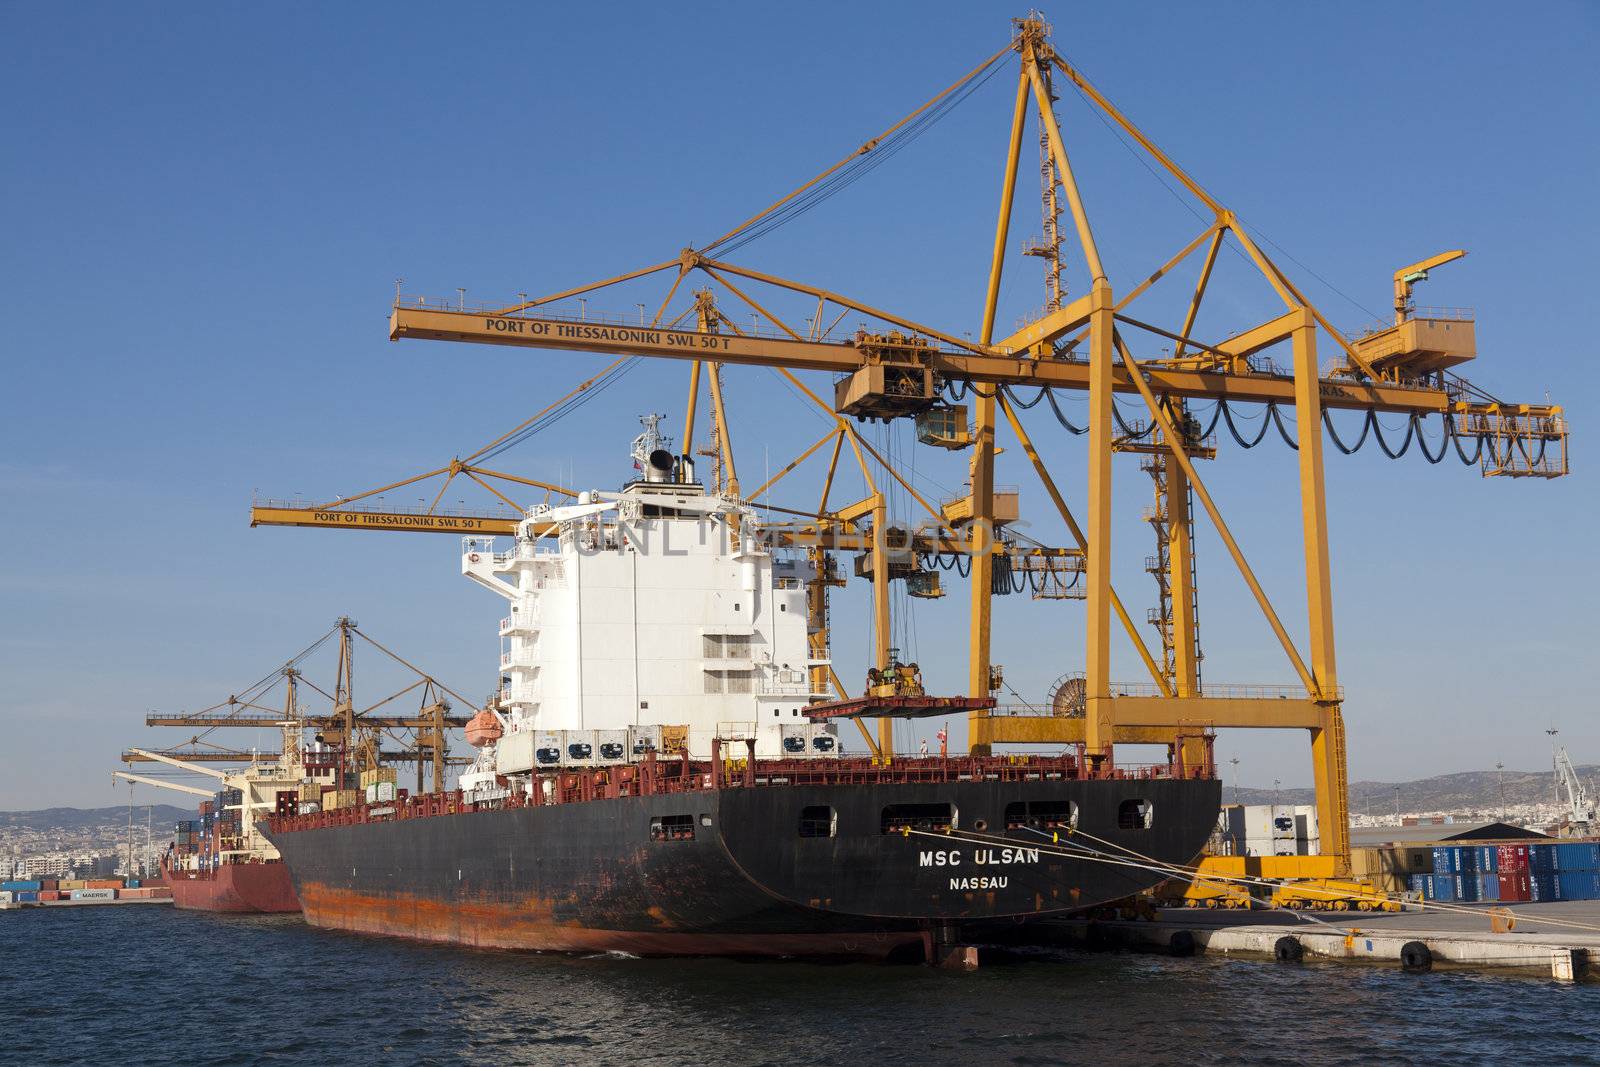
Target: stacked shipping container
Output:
{"points": [[51, 890], [1511, 873]]}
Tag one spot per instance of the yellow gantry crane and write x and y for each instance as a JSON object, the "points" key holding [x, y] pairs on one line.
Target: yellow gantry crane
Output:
{"points": [[896, 368]]}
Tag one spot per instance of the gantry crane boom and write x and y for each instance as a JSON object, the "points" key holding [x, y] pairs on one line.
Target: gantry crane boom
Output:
{"points": [[192, 760], [389, 722], [170, 760], [159, 784], [527, 330]]}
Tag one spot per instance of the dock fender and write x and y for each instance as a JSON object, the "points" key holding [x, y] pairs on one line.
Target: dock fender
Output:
{"points": [[1416, 958], [1288, 950], [1181, 944]]}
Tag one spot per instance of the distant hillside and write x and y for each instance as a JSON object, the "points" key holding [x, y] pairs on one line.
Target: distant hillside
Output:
{"points": [[1463, 791], [70, 819]]}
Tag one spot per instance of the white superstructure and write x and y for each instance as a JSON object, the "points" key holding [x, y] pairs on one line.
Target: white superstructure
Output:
{"points": [[656, 606]]}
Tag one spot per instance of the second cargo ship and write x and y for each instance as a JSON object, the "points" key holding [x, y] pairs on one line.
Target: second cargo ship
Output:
{"points": [[222, 861]]}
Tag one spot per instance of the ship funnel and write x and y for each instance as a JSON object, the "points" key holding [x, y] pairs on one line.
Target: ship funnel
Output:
{"points": [[658, 468]]}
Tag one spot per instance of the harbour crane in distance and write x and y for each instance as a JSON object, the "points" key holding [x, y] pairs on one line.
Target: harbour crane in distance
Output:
{"points": [[342, 728], [1579, 816]]}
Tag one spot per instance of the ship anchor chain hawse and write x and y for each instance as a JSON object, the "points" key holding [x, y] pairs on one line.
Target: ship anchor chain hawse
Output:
{"points": [[671, 764]]}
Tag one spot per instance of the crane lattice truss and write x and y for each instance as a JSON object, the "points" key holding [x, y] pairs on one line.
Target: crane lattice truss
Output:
{"points": [[347, 729], [902, 368]]}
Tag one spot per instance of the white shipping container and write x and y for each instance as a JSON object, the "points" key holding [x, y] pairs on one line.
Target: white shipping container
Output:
{"points": [[1280, 846], [547, 750], [795, 739], [642, 739], [1264, 822], [513, 753], [577, 748], [1284, 821], [6, 896], [824, 738], [1305, 820], [610, 746], [94, 894], [385, 792], [1259, 846]]}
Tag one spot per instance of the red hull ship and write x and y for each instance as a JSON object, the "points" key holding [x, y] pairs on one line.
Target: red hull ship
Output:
{"points": [[235, 887]]}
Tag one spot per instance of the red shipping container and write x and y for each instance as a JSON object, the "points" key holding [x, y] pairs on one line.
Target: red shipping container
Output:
{"points": [[1516, 887], [49, 894], [48, 883], [1512, 858], [103, 883]]}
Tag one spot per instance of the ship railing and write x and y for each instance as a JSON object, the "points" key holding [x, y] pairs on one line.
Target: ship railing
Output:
{"points": [[784, 689], [676, 777]]}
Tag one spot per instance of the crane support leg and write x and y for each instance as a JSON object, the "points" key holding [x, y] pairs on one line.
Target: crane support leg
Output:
{"points": [[1180, 579], [688, 415], [880, 608], [1327, 741], [979, 742], [1097, 674]]}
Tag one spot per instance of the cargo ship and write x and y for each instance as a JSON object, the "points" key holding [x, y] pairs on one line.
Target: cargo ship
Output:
{"points": [[222, 861], [660, 772]]}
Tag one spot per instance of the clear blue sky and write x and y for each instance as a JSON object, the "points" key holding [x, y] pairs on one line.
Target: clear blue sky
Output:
{"points": [[205, 210]]}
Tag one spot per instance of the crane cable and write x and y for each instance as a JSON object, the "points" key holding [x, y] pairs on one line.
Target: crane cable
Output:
{"points": [[1371, 427], [560, 410], [864, 161], [269, 681]]}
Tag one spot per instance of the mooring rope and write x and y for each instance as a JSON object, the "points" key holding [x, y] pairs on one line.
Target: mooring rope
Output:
{"points": [[1193, 876]]}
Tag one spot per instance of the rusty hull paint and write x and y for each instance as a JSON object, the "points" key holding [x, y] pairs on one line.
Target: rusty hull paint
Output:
{"points": [[495, 926]]}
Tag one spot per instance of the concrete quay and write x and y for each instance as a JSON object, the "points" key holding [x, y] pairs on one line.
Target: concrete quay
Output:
{"points": [[1416, 940]]}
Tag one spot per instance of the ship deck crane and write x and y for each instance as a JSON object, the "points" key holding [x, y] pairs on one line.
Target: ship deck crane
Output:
{"points": [[900, 368]]}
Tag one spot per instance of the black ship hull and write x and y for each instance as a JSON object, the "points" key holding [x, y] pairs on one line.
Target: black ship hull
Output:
{"points": [[797, 870]]}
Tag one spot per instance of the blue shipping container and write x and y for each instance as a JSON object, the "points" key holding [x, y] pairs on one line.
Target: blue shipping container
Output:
{"points": [[1444, 887], [1578, 885], [21, 886], [1541, 858], [1577, 856], [1488, 887], [1488, 858], [1466, 858], [1467, 888], [1446, 860], [1545, 887], [30, 896]]}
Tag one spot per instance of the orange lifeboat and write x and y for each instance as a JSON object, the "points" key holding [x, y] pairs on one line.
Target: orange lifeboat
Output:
{"points": [[483, 728]]}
